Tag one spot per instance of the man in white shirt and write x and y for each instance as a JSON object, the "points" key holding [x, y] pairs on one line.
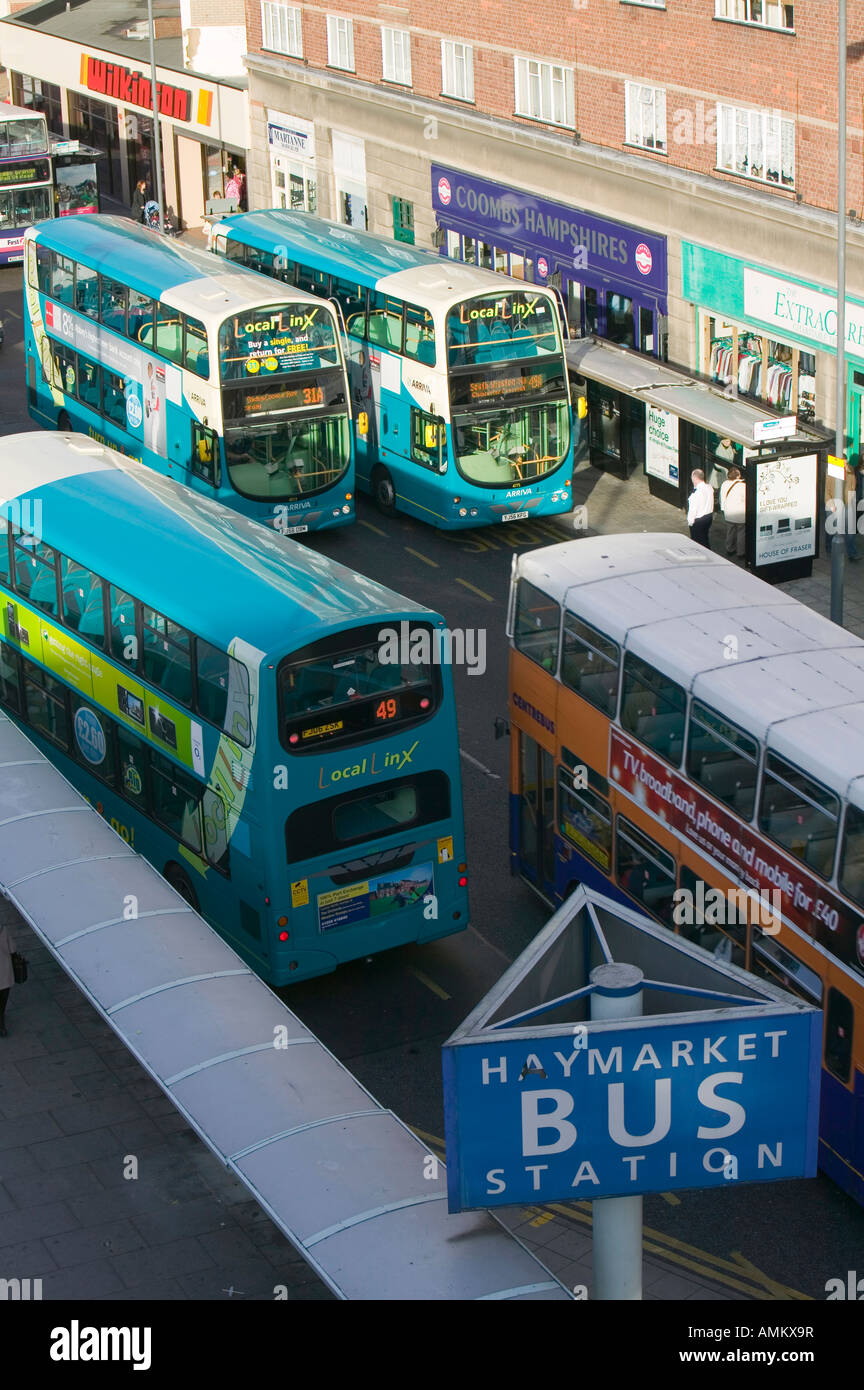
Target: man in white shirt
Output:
{"points": [[700, 508], [733, 505]]}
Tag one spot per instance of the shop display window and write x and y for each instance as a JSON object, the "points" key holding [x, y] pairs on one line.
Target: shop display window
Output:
{"points": [[760, 367]]}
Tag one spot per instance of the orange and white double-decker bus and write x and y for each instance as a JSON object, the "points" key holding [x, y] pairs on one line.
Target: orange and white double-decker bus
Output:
{"points": [[690, 739]]}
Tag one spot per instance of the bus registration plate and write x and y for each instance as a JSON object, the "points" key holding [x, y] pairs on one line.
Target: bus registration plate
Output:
{"points": [[294, 530], [514, 516]]}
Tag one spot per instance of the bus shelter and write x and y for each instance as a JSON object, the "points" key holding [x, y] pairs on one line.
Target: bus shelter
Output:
{"points": [[643, 416]]}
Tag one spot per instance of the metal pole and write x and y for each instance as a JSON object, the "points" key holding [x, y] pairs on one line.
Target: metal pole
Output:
{"points": [[838, 546], [157, 129], [617, 1221]]}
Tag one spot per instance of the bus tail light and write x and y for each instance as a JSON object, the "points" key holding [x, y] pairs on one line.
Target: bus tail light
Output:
{"points": [[463, 880], [282, 922], [463, 868], [293, 738], [283, 936], [425, 702], [348, 496]]}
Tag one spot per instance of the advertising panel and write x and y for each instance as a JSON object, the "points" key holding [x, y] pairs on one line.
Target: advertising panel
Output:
{"points": [[786, 508], [374, 898], [661, 444]]}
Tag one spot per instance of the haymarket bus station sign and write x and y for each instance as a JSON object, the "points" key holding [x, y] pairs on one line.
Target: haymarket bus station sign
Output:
{"points": [[717, 1083]]}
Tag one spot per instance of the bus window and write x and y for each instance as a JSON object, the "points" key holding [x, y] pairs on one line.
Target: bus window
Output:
{"points": [[169, 333], [140, 321], [204, 452], [589, 664], [313, 281], [427, 440], [87, 291], [167, 655], [690, 918], [65, 369], [223, 691], [45, 705], [134, 762], [352, 300], [36, 572], [114, 397], [176, 801], [90, 384], [4, 549], [99, 755], [536, 626], [839, 1020], [852, 859], [385, 321], [232, 250], [722, 759], [215, 831], [76, 585], [653, 708], [419, 335], [43, 267], [124, 636], [196, 355], [644, 870], [10, 678], [325, 826], [62, 279], [113, 305], [500, 327], [799, 814], [585, 820]]}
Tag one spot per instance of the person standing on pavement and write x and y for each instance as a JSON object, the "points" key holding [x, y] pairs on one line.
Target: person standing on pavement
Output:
{"points": [[140, 198], [700, 508], [7, 975], [733, 505]]}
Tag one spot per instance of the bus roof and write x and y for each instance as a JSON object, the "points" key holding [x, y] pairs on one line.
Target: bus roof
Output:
{"points": [[14, 113], [367, 259], [187, 278], [768, 662], [185, 555]]}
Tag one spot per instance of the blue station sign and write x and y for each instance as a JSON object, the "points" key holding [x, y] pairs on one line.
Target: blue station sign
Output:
{"points": [[620, 1108]]}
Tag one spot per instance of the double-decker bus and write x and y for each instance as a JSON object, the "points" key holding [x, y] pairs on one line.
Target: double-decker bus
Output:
{"points": [[236, 389], [26, 187], [688, 738], [224, 697], [459, 372]]}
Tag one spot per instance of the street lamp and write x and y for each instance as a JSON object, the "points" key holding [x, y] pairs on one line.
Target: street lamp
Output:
{"points": [[838, 546], [157, 130]]}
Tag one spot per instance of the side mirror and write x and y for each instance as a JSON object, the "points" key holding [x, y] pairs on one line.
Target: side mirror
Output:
{"points": [[582, 407], [363, 423]]}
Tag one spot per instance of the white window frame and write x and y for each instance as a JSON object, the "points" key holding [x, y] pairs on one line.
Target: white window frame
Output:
{"points": [[282, 28], [771, 13], [645, 116], [544, 92], [340, 42], [763, 137], [396, 56], [457, 70]]}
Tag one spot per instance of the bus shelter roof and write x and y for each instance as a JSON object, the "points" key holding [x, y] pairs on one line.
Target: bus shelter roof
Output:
{"points": [[665, 388]]}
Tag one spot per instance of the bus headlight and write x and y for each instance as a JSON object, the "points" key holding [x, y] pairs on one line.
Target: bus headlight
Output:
{"points": [[346, 511], [463, 511], [336, 512], [473, 511]]}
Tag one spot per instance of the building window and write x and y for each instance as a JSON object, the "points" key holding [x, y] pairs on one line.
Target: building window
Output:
{"points": [[769, 13], [544, 92], [396, 55], [457, 70], [646, 116], [340, 42], [756, 145], [403, 220], [282, 30]]}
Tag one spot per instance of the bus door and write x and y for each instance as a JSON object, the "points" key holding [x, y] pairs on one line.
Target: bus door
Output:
{"points": [[536, 828]]}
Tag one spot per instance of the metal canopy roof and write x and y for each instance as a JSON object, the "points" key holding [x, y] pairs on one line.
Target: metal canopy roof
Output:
{"points": [[342, 1177], [668, 389]]}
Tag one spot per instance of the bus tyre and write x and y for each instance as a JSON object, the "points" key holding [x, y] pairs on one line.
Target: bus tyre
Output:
{"points": [[383, 491], [64, 424], [180, 883]]}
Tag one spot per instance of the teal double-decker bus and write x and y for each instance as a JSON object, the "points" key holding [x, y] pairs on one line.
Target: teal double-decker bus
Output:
{"points": [[458, 374], [202, 372], [246, 713]]}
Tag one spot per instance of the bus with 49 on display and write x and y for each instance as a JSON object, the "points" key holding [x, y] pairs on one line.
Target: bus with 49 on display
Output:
{"points": [[199, 371], [234, 704], [457, 373]]}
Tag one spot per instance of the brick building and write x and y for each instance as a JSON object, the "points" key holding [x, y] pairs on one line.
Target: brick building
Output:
{"points": [[672, 166]]}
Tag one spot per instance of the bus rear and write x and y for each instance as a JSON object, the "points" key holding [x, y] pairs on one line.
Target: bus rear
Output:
{"points": [[364, 819], [26, 188]]}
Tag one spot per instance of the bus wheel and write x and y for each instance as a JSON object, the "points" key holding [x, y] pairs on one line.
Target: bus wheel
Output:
{"points": [[179, 881], [383, 491], [64, 424]]}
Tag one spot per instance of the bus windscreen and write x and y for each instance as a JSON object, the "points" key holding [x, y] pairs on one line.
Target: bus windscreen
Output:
{"points": [[277, 338], [498, 328]]}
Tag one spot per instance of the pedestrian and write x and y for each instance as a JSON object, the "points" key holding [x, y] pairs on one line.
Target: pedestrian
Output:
{"points": [[7, 974], [234, 188], [140, 198], [733, 505], [700, 508]]}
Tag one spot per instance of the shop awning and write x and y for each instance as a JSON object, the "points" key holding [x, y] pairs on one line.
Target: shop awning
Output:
{"points": [[675, 391]]}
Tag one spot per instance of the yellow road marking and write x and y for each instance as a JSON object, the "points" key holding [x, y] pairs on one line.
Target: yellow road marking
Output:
{"points": [[436, 989], [543, 1218], [775, 1290], [370, 527], [480, 592], [424, 558], [671, 1199]]}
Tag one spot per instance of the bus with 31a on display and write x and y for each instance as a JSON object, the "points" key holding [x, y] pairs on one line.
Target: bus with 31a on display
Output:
{"points": [[224, 697], [690, 739], [238, 391], [459, 372]]}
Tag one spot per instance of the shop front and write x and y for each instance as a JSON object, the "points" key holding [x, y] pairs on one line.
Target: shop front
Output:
{"points": [[612, 276], [291, 151], [105, 101]]}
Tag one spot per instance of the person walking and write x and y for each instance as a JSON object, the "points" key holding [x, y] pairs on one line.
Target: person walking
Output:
{"points": [[140, 198], [7, 974], [733, 505], [700, 508]]}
